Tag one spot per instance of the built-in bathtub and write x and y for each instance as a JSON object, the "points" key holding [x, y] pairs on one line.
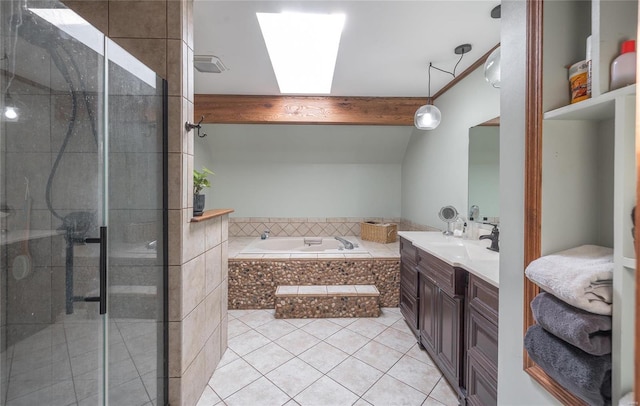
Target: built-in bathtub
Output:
{"points": [[257, 267], [303, 245]]}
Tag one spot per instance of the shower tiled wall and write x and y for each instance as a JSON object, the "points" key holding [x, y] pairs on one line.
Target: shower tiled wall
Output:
{"points": [[310, 226]]}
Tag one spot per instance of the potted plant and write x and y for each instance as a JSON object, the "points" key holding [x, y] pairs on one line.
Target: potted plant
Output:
{"points": [[200, 182]]}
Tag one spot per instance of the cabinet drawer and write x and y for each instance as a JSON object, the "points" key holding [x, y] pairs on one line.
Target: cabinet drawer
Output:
{"points": [[448, 278], [409, 278], [482, 386], [407, 251], [483, 297], [409, 309], [482, 339]]}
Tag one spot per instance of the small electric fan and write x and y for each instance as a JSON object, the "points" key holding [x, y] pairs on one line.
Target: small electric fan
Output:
{"points": [[448, 214]]}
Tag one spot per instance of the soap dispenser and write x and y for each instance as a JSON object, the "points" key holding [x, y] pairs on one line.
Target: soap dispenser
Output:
{"points": [[623, 68]]}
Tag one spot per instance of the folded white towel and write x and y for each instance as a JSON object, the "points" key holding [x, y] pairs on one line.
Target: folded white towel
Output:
{"points": [[581, 276]]}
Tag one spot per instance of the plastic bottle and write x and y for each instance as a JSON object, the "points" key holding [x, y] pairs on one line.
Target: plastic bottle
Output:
{"points": [[623, 68], [472, 229]]}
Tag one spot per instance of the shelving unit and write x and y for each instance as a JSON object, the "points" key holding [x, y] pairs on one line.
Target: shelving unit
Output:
{"points": [[588, 154]]}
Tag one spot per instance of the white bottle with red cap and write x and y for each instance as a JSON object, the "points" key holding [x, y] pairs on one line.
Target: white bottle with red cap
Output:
{"points": [[623, 68]]}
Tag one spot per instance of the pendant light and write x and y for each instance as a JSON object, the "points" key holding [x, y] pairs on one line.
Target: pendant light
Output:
{"points": [[428, 117], [10, 111], [492, 64]]}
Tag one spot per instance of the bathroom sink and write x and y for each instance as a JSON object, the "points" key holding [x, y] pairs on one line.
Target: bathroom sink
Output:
{"points": [[464, 251]]}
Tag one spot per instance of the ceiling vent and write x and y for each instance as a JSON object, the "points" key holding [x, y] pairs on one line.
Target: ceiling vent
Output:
{"points": [[208, 63]]}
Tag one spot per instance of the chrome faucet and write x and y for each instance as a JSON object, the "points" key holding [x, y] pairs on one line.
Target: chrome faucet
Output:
{"points": [[347, 244], [495, 234], [265, 234]]}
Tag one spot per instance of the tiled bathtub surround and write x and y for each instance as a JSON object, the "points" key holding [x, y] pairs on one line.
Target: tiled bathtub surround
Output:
{"points": [[253, 278], [300, 227]]}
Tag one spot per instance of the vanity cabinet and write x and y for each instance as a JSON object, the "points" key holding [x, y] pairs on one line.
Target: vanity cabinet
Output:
{"points": [[441, 316], [409, 294], [481, 343]]}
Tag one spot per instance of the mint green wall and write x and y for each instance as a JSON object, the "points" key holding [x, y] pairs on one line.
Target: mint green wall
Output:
{"points": [[304, 170], [434, 170]]}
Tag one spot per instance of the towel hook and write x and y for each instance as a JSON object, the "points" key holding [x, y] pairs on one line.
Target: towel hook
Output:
{"points": [[190, 126]]}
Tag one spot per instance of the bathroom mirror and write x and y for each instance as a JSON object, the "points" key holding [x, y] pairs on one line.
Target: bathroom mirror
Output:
{"points": [[484, 169]]}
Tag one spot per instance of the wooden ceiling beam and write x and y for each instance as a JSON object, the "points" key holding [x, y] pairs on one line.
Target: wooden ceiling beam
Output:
{"points": [[240, 109]]}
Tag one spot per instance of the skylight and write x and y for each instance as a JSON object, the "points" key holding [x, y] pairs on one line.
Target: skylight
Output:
{"points": [[303, 49]]}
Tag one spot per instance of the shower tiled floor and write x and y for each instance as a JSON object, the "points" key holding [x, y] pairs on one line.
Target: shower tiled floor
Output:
{"points": [[324, 362], [60, 365]]}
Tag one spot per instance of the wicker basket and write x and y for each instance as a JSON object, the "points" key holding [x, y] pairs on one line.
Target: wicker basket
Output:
{"points": [[376, 232]]}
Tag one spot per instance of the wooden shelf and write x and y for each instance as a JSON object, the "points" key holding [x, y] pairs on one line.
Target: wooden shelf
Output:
{"points": [[594, 109], [209, 214]]}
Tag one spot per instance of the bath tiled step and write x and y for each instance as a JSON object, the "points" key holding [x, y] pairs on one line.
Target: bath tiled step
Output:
{"points": [[133, 301], [319, 301]]}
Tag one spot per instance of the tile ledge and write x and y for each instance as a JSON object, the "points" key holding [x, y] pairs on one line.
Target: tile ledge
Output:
{"points": [[209, 214]]}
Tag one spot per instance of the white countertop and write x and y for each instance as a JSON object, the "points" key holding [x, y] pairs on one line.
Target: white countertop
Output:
{"points": [[470, 255]]}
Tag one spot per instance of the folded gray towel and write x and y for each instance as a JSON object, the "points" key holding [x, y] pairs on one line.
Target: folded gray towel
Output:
{"points": [[586, 376], [588, 331]]}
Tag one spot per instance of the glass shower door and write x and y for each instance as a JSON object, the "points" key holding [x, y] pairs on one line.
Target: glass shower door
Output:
{"points": [[136, 304], [82, 258]]}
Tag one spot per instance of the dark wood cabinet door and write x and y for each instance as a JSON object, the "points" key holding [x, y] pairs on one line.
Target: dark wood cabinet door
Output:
{"points": [[428, 313], [409, 308], [482, 388], [450, 336]]}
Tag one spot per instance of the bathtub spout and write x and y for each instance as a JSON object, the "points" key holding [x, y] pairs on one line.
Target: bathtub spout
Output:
{"points": [[347, 244]]}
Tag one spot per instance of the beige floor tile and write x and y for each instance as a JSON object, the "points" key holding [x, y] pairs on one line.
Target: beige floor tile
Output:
{"points": [[444, 394], [299, 322], [208, 398], [387, 317], [325, 391], [355, 375], [416, 374], [247, 342], [367, 327], [347, 340], [257, 318], [297, 342], [268, 358], [396, 339], [236, 327], [323, 357], [276, 329], [390, 391], [228, 357], [378, 356], [260, 392], [420, 354], [321, 328], [294, 376], [232, 377], [342, 321], [432, 402]]}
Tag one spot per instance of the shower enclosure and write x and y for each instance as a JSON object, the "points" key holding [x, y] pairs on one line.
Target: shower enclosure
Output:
{"points": [[82, 215]]}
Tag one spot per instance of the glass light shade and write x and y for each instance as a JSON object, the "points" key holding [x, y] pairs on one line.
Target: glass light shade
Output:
{"points": [[11, 113], [427, 117], [492, 68]]}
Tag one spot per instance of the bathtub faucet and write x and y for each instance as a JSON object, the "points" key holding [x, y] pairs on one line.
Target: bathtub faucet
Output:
{"points": [[347, 244], [265, 234]]}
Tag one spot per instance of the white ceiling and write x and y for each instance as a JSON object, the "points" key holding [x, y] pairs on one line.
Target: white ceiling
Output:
{"points": [[385, 49]]}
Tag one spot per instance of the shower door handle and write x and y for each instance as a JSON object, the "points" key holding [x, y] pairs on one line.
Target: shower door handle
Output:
{"points": [[102, 298]]}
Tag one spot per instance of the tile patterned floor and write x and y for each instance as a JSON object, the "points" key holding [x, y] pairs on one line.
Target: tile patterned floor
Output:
{"points": [[324, 362], [60, 365]]}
